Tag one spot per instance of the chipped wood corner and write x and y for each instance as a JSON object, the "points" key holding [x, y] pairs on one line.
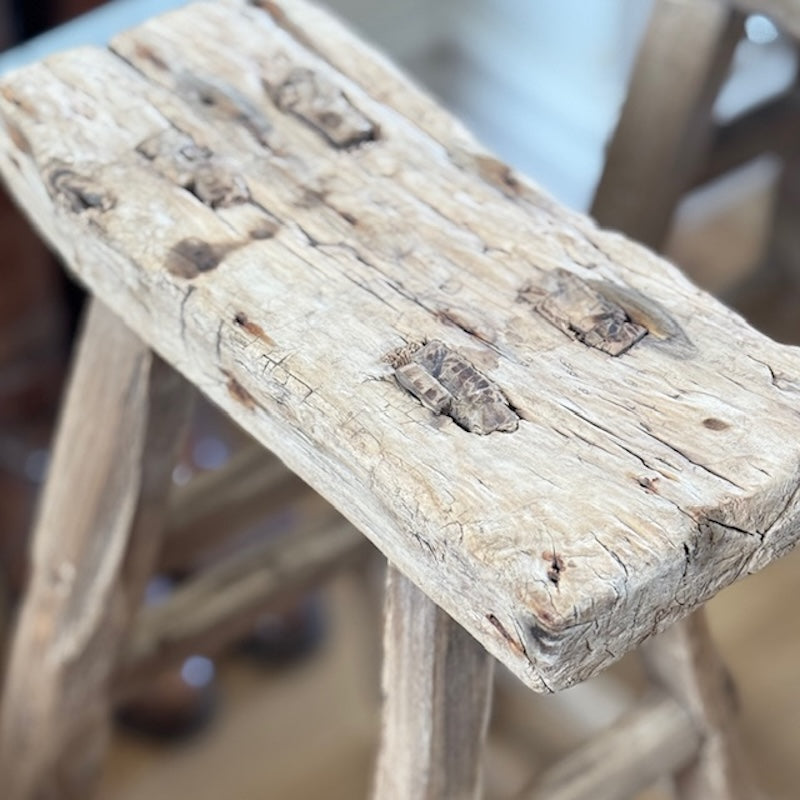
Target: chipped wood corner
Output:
{"points": [[274, 217]]}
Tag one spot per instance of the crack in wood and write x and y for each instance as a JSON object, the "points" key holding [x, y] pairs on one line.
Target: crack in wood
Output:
{"points": [[448, 384], [253, 328], [501, 629], [225, 101]]}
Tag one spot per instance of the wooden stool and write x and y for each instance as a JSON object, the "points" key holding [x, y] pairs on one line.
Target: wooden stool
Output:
{"points": [[667, 137], [561, 445]]}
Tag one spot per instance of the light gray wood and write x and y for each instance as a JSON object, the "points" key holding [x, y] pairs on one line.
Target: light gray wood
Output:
{"points": [[634, 486], [664, 129], [684, 661], [94, 546], [653, 740], [437, 683], [221, 603]]}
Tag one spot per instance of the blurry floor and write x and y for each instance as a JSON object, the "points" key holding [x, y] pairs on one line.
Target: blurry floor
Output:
{"points": [[309, 731], [293, 733]]}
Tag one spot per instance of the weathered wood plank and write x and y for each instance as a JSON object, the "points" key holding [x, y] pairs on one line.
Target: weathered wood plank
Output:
{"points": [[95, 543], [684, 661], [290, 278], [437, 689], [665, 126], [653, 740]]}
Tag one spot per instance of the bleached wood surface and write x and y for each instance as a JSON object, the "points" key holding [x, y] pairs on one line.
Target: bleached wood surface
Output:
{"points": [[283, 217]]}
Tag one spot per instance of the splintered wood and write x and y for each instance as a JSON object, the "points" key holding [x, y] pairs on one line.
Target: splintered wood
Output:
{"points": [[556, 436]]}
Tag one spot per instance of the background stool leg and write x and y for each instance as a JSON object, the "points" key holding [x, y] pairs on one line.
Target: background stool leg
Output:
{"points": [[437, 692], [665, 126], [685, 662], [768, 298], [95, 540]]}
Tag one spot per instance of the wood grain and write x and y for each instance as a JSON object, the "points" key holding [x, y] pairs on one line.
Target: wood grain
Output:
{"points": [[635, 486], [437, 683], [94, 546]]}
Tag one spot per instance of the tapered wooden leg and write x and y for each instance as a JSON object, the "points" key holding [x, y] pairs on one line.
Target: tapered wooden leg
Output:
{"points": [[437, 694], [685, 662], [95, 540], [665, 126]]}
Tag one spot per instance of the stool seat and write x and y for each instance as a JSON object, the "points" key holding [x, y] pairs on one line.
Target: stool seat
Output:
{"points": [[553, 433]]}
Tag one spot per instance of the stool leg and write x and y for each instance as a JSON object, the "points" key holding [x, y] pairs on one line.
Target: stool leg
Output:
{"points": [[95, 540], [665, 125], [685, 662], [768, 298], [437, 692]]}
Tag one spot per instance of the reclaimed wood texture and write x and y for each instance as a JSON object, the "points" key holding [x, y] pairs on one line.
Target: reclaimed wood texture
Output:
{"points": [[286, 219], [94, 547], [437, 690]]}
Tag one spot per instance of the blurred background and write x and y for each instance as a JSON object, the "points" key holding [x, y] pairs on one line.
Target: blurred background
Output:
{"points": [[290, 712]]}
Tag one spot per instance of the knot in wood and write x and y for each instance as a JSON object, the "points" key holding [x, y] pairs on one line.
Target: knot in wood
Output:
{"points": [[323, 106], [79, 193], [194, 167]]}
